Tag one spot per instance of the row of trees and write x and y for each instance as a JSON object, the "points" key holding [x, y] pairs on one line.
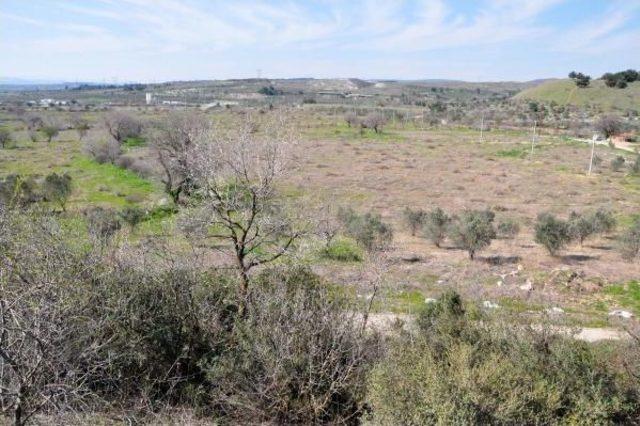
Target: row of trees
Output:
{"points": [[473, 230], [620, 79]]}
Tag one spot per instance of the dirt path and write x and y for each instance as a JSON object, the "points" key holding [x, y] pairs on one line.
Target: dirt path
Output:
{"points": [[384, 322], [625, 146]]}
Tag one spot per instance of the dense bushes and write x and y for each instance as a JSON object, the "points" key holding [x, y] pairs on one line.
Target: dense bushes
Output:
{"points": [[456, 370], [297, 357], [145, 329]]}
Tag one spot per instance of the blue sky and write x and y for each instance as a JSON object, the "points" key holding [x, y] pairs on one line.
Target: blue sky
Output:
{"points": [[159, 40]]}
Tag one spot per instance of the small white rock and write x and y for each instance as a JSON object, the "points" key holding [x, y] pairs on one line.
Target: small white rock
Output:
{"points": [[527, 286], [520, 268], [490, 305], [621, 314], [499, 283], [430, 300], [555, 310]]}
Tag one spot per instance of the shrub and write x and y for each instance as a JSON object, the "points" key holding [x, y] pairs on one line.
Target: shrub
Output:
{"points": [[5, 137], [580, 227], [132, 216], [603, 221], [298, 357], [617, 163], [375, 121], [352, 119], [57, 189], [368, 230], [483, 372], [436, 226], [102, 224], [414, 219], [551, 232], [508, 228], [122, 126], [609, 125], [19, 192], [103, 149], [473, 230], [635, 167], [50, 131], [342, 250], [630, 241]]}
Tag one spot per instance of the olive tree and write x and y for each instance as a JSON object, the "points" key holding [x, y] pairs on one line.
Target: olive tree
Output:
{"points": [[473, 230], [551, 232], [630, 241], [414, 219], [436, 226], [236, 174], [174, 141], [57, 189], [50, 131]]}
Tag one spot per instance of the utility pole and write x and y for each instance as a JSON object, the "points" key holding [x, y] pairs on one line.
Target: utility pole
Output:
{"points": [[533, 137], [482, 129], [593, 148]]}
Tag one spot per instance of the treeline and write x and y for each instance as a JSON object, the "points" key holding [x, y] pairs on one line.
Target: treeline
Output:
{"points": [[619, 79]]}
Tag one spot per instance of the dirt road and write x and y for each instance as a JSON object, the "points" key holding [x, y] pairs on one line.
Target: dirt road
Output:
{"points": [[384, 322]]}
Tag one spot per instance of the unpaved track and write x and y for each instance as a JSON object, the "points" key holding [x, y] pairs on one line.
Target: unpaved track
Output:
{"points": [[384, 322]]}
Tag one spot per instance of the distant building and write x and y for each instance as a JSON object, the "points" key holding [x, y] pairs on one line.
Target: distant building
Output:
{"points": [[149, 98]]}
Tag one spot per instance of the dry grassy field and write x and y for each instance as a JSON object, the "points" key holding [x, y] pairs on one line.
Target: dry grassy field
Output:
{"points": [[408, 166]]}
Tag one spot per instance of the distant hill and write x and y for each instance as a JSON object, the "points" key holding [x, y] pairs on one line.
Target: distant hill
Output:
{"points": [[565, 92]]}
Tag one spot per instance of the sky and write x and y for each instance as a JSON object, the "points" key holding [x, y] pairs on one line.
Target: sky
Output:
{"points": [[163, 40]]}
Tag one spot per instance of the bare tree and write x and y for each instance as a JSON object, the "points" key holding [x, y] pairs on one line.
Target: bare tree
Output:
{"points": [[46, 347], [327, 225], [237, 174], [375, 121], [609, 125], [81, 125], [123, 126], [174, 141], [351, 118]]}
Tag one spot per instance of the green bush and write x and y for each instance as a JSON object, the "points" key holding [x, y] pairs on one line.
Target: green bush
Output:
{"points": [[57, 189], [630, 241], [617, 163], [368, 230], [436, 226], [473, 230], [551, 232], [343, 250], [414, 219], [460, 371]]}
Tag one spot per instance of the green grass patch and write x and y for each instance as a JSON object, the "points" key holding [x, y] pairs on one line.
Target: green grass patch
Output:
{"points": [[106, 184], [134, 142], [343, 250], [513, 153], [627, 295]]}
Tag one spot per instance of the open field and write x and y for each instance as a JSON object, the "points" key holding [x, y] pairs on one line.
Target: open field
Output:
{"points": [[406, 166]]}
